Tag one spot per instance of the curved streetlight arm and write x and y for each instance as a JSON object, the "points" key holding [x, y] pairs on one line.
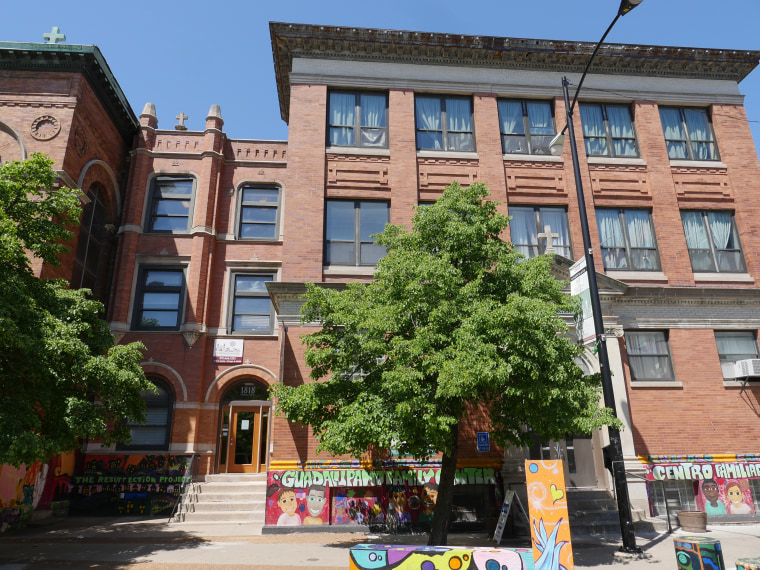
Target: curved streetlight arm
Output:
{"points": [[590, 60]]}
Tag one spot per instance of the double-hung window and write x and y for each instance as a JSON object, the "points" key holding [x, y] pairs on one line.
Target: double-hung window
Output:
{"points": [[649, 355], [251, 306], [358, 119], [259, 209], [444, 123], [154, 433], [171, 200], [608, 130], [734, 346], [713, 242], [531, 228], [688, 133], [526, 127], [627, 239], [159, 298], [349, 227]]}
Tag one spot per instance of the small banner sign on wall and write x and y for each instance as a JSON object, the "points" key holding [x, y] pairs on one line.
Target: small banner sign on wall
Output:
{"points": [[228, 351]]}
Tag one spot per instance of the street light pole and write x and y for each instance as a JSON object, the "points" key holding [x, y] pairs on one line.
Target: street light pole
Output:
{"points": [[616, 448], [614, 453]]}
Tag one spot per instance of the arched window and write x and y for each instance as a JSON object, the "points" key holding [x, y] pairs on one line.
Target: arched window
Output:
{"points": [[93, 259], [154, 433]]}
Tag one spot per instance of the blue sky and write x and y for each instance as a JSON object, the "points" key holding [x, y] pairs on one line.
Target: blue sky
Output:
{"points": [[186, 56]]}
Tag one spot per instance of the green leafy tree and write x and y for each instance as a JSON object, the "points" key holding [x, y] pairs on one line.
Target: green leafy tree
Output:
{"points": [[456, 320], [61, 377]]}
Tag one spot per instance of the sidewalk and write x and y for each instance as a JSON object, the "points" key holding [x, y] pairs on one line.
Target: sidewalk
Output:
{"points": [[152, 544]]}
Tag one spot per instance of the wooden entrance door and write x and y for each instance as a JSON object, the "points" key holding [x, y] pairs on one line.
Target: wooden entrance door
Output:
{"points": [[243, 437]]}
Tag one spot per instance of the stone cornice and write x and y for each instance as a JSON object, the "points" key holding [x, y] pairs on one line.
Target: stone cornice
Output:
{"points": [[87, 60], [291, 41], [641, 295]]}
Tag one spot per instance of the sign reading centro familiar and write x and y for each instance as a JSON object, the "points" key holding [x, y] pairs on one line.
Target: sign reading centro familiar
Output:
{"points": [[228, 350], [694, 471]]}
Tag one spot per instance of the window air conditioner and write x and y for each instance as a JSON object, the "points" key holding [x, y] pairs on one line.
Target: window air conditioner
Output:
{"points": [[748, 368]]}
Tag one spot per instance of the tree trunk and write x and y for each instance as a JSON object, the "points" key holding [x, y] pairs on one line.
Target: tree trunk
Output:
{"points": [[439, 526]]}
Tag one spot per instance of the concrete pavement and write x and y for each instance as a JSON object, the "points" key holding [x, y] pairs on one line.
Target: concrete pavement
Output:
{"points": [[152, 544]]}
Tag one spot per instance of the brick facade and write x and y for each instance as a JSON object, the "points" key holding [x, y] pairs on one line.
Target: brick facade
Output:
{"points": [[698, 412]]}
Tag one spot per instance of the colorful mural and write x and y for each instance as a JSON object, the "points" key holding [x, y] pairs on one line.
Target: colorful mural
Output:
{"points": [[720, 488], [42, 486], [129, 484], [398, 557], [697, 471], [698, 553], [725, 497], [37, 485], [360, 496], [549, 519], [748, 564]]}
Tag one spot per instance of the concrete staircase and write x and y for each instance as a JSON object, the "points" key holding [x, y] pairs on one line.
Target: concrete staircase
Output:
{"points": [[594, 512], [225, 498]]}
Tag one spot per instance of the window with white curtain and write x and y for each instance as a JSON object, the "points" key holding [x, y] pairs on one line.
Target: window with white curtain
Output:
{"points": [[608, 130], [529, 230], [688, 133], [713, 242], [649, 355], [444, 123], [527, 127], [734, 346], [154, 433], [627, 239], [358, 119]]}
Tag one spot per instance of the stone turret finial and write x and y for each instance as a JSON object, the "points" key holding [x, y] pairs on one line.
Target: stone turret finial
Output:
{"points": [[148, 116], [215, 112], [214, 119], [149, 109]]}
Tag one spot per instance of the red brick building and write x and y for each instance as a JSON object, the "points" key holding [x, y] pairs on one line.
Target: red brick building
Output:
{"points": [[216, 238]]}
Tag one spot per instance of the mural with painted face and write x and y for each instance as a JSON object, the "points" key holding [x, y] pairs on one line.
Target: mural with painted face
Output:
{"points": [[711, 494], [286, 500], [315, 504]]}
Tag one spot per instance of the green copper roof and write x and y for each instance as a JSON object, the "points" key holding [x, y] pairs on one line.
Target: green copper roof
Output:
{"points": [[87, 60]]}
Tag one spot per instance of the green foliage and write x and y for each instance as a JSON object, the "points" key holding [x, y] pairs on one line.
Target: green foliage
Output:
{"points": [[456, 320], [61, 377]]}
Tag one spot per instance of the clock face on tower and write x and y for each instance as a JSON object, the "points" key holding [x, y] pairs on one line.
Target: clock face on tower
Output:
{"points": [[45, 127]]}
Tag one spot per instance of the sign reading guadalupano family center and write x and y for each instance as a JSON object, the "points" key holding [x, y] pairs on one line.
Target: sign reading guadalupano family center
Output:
{"points": [[360, 496]]}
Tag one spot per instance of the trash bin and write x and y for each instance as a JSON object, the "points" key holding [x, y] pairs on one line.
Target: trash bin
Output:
{"points": [[697, 552]]}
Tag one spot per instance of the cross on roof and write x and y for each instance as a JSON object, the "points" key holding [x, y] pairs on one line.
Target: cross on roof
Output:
{"points": [[181, 118], [54, 36], [549, 237]]}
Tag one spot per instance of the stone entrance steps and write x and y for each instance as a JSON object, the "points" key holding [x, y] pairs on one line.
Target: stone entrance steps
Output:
{"points": [[594, 512], [225, 498]]}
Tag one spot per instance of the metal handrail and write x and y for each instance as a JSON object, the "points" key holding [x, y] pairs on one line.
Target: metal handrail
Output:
{"points": [[194, 461]]}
